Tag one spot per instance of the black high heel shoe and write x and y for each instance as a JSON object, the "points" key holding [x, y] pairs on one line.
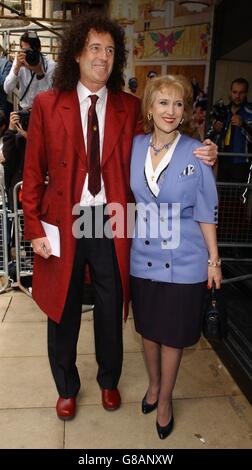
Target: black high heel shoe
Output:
{"points": [[148, 407], [164, 431]]}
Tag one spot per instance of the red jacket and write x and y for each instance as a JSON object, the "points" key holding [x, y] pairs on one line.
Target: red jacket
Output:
{"points": [[55, 145]]}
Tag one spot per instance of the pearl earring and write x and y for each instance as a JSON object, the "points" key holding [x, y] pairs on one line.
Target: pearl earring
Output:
{"points": [[149, 116]]}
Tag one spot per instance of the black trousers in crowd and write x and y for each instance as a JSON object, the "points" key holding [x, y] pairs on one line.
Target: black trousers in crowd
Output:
{"points": [[99, 253]]}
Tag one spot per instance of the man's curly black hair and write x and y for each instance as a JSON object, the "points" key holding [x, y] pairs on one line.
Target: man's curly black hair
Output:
{"points": [[67, 73]]}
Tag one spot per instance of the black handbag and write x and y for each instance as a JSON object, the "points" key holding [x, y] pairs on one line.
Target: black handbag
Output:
{"points": [[215, 326]]}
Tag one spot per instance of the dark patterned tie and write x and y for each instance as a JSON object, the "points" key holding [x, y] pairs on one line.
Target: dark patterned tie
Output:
{"points": [[93, 149]]}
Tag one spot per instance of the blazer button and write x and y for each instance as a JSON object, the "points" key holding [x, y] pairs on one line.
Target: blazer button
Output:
{"points": [[164, 242], [63, 163], [149, 264], [147, 242], [145, 219], [60, 193], [162, 219], [167, 265]]}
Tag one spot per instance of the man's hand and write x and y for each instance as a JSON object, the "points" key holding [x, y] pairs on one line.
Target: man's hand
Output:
{"points": [[208, 153], [14, 119], [42, 247], [20, 62], [15, 124], [236, 120], [2, 159], [20, 130], [218, 126]]}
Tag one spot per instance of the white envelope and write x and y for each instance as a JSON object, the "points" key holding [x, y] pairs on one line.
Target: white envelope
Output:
{"points": [[53, 235]]}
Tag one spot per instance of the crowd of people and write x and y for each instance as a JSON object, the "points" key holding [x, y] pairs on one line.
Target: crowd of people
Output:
{"points": [[232, 129], [100, 148]]}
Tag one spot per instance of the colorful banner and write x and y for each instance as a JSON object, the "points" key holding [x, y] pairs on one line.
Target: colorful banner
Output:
{"points": [[185, 42]]}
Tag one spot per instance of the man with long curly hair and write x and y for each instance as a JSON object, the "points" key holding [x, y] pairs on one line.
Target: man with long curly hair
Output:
{"points": [[87, 102]]}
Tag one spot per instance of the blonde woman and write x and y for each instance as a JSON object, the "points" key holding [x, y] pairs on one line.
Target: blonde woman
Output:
{"points": [[174, 251]]}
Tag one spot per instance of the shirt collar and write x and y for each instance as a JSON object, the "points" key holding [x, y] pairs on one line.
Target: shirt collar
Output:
{"points": [[83, 92]]}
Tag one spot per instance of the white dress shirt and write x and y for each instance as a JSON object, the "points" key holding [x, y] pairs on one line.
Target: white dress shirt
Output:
{"points": [[152, 176], [23, 79], [87, 199]]}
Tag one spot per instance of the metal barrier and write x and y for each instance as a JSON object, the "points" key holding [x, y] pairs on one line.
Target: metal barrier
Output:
{"points": [[24, 251], [235, 218], [23, 248], [234, 230], [4, 278]]}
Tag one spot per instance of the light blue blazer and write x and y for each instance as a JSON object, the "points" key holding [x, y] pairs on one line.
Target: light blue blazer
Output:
{"points": [[168, 244]]}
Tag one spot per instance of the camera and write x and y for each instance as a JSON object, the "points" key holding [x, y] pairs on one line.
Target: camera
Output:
{"points": [[24, 118], [32, 56], [219, 111], [133, 84]]}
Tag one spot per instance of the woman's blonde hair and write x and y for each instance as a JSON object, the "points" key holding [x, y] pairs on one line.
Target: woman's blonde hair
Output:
{"points": [[177, 82]]}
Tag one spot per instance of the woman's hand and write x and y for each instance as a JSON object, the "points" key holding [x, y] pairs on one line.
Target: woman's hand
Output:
{"points": [[214, 275]]}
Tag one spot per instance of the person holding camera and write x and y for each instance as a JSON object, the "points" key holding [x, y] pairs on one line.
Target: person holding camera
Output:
{"points": [[5, 105], [14, 143], [233, 128], [199, 120], [3, 127], [30, 69]]}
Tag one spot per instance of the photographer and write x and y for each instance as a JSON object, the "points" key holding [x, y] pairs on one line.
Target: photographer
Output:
{"points": [[3, 127], [232, 132], [31, 70], [199, 120], [14, 142], [5, 66]]}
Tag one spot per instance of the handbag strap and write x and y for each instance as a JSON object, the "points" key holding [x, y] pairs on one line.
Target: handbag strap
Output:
{"points": [[213, 295]]}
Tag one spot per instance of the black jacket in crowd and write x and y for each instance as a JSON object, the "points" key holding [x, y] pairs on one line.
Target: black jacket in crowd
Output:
{"points": [[14, 154]]}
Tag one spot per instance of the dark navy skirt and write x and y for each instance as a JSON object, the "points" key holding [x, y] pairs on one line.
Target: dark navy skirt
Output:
{"points": [[168, 313]]}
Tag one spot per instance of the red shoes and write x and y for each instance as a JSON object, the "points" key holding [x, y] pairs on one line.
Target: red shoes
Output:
{"points": [[111, 399], [66, 408]]}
